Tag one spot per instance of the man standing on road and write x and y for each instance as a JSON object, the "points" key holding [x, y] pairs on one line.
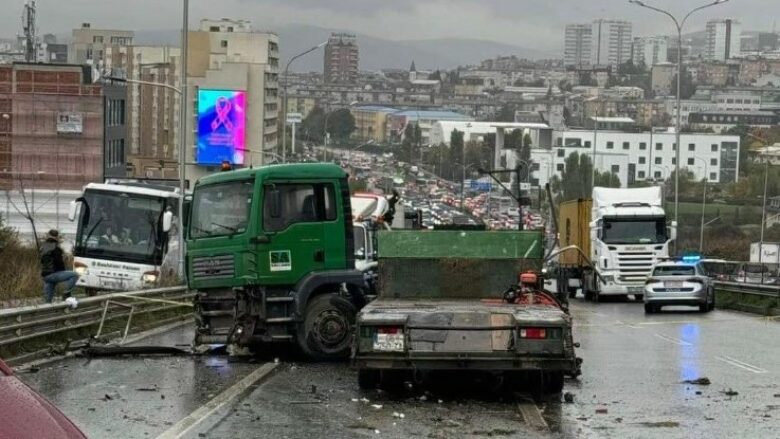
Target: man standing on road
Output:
{"points": [[53, 270]]}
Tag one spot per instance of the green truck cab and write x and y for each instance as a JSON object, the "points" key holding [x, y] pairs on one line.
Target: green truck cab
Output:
{"points": [[446, 306], [270, 254]]}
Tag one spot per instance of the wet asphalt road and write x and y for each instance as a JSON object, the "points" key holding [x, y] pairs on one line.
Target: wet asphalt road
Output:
{"points": [[631, 387]]}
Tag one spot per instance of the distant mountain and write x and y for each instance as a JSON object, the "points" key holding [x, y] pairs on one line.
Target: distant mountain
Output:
{"points": [[375, 53]]}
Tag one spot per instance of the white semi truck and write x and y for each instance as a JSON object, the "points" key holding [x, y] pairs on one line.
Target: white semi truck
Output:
{"points": [[124, 235], [623, 232]]}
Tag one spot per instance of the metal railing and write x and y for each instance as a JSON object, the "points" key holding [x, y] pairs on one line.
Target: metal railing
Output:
{"points": [[38, 328], [754, 298]]}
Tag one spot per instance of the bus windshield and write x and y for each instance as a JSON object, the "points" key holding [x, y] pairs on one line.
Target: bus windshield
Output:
{"points": [[121, 226]]}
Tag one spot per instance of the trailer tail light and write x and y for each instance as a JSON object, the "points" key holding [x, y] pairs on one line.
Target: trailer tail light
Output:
{"points": [[695, 280], [389, 339], [533, 333]]}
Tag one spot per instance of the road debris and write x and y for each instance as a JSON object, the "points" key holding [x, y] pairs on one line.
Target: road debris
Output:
{"points": [[377, 406], [398, 415], [602, 410], [568, 397], [147, 389], [729, 392], [702, 381], [662, 424]]}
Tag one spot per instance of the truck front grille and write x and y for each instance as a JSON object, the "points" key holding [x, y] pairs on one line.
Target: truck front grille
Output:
{"points": [[635, 267], [213, 267]]}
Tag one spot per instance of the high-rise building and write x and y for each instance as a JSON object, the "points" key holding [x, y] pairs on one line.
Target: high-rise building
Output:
{"points": [[723, 39], [649, 51], [233, 82], [577, 44], [611, 42], [88, 45], [341, 59]]}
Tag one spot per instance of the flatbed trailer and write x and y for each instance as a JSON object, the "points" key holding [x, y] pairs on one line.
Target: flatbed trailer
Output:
{"points": [[443, 305]]}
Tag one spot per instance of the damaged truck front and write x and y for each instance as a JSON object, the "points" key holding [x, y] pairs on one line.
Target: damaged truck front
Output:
{"points": [[450, 300]]}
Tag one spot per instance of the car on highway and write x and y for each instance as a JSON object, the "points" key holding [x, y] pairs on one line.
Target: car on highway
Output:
{"points": [[755, 273], [27, 414], [680, 281]]}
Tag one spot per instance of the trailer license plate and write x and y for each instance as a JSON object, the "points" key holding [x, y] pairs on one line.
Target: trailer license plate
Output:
{"points": [[636, 290], [389, 342], [673, 285]]}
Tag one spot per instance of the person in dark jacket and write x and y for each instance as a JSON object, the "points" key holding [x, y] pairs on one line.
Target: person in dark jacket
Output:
{"points": [[53, 269]]}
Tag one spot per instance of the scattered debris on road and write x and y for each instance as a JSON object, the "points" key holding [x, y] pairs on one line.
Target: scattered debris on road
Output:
{"points": [[602, 410], [376, 406], [568, 397], [729, 392], [662, 424], [702, 381]]}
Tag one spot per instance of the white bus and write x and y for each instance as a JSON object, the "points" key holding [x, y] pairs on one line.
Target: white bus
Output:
{"points": [[125, 235]]}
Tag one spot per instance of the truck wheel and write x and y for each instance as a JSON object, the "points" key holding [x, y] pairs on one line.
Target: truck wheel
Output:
{"points": [[391, 380], [639, 297], [572, 291], [552, 382], [368, 379], [326, 333]]}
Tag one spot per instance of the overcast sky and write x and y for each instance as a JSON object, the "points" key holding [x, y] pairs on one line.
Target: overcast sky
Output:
{"points": [[527, 23]]}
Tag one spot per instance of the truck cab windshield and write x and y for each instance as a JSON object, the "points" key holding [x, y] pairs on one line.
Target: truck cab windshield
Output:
{"points": [[121, 226], [634, 231], [221, 209]]}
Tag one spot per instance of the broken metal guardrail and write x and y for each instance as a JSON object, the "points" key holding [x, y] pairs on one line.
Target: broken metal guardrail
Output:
{"points": [[34, 324], [754, 298]]}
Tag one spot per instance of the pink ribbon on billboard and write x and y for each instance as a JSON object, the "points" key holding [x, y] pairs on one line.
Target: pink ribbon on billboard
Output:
{"points": [[222, 107]]}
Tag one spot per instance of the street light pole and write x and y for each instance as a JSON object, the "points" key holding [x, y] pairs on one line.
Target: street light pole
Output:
{"points": [[284, 99], [679, 24], [763, 218], [185, 19]]}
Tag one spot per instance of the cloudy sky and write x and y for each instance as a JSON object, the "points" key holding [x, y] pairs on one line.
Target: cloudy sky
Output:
{"points": [[530, 23]]}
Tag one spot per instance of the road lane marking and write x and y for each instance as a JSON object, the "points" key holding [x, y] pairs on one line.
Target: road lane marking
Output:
{"points": [[630, 325], [187, 424], [676, 341], [740, 364], [532, 415]]}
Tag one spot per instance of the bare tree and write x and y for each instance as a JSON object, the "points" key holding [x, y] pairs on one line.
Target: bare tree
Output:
{"points": [[27, 212]]}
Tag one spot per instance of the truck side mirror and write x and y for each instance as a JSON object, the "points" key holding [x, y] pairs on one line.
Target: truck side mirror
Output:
{"points": [[72, 210], [167, 221], [594, 231], [673, 231]]}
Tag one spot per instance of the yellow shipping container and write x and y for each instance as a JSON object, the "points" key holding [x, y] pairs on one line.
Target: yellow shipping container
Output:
{"points": [[574, 224]]}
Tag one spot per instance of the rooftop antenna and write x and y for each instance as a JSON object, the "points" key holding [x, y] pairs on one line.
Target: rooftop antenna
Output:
{"points": [[28, 27]]}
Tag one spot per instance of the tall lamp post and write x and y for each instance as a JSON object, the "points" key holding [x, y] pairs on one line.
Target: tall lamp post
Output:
{"points": [[284, 99], [679, 24]]}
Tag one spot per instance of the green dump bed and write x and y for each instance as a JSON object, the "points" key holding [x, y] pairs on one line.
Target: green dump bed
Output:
{"points": [[434, 264]]}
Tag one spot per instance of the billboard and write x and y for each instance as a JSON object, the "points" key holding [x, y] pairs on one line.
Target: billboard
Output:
{"points": [[221, 127], [69, 122]]}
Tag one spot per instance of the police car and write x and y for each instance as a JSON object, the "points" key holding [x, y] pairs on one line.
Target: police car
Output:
{"points": [[679, 281]]}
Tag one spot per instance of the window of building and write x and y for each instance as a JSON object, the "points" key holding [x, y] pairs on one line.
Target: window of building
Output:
{"points": [[587, 144], [89, 54], [223, 43], [642, 160], [213, 28], [559, 167], [626, 145], [610, 145], [534, 166], [561, 152], [674, 161], [657, 174], [659, 146], [97, 39], [714, 147], [615, 169], [691, 147], [713, 176], [298, 203], [691, 162], [642, 146], [658, 160], [713, 162], [674, 147], [641, 174]]}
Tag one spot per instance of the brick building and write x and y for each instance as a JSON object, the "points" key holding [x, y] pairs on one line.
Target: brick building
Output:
{"points": [[51, 126]]}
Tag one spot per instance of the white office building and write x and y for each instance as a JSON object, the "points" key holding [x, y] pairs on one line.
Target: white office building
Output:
{"points": [[577, 44], [611, 42], [649, 51], [639, 156], [723, 39]]}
